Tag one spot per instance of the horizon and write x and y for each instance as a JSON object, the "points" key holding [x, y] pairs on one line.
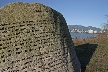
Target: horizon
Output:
{"points": [[85, 12], [84, 26]]}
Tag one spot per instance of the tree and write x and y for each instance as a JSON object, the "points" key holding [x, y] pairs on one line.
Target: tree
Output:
{"points": [[105, 26]]}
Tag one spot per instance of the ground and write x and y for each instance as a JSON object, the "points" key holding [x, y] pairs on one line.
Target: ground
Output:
{"points": [[92, 54]]}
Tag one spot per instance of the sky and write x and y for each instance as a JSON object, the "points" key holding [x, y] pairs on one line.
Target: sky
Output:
{"points": [[75, 12]]}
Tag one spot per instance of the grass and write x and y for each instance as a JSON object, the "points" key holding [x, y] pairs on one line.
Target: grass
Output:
{"points": [[92, 54]]}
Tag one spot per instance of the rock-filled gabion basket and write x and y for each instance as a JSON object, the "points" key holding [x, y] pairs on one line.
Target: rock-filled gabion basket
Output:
{"points": [[35, 38]]}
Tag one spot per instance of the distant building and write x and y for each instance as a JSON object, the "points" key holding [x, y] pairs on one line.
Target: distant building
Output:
{"points": [[73, 30], [86, 31], [90, 31], [95, 31], [78, 31]]}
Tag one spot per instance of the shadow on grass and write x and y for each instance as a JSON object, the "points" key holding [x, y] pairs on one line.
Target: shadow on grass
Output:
{"points": [[84, 53]]}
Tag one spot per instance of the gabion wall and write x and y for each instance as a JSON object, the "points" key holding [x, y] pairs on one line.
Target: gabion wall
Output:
{"points": [[35, 38]]}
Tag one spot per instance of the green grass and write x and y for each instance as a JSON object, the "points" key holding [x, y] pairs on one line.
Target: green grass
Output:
{"points": [[96, 50]]}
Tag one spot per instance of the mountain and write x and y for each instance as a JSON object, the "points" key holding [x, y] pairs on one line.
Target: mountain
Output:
{"points": [[80, 27]]}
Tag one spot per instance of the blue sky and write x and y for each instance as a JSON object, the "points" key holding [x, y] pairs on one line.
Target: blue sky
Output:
{"points": [[80, 12]]}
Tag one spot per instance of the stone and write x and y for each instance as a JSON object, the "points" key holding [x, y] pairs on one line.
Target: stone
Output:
{"points": [[35, 38]]}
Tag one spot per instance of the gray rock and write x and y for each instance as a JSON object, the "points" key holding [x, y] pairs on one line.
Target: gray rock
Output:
{"points": [[35, 38]]}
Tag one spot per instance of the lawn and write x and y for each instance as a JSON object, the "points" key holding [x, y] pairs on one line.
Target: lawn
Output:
{"points": [[92, 54]]}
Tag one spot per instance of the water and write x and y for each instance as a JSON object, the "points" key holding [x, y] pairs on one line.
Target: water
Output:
{"points": [[82, 35]]}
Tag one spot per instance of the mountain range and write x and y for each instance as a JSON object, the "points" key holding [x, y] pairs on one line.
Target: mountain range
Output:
{"points": [[80, 27]]}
